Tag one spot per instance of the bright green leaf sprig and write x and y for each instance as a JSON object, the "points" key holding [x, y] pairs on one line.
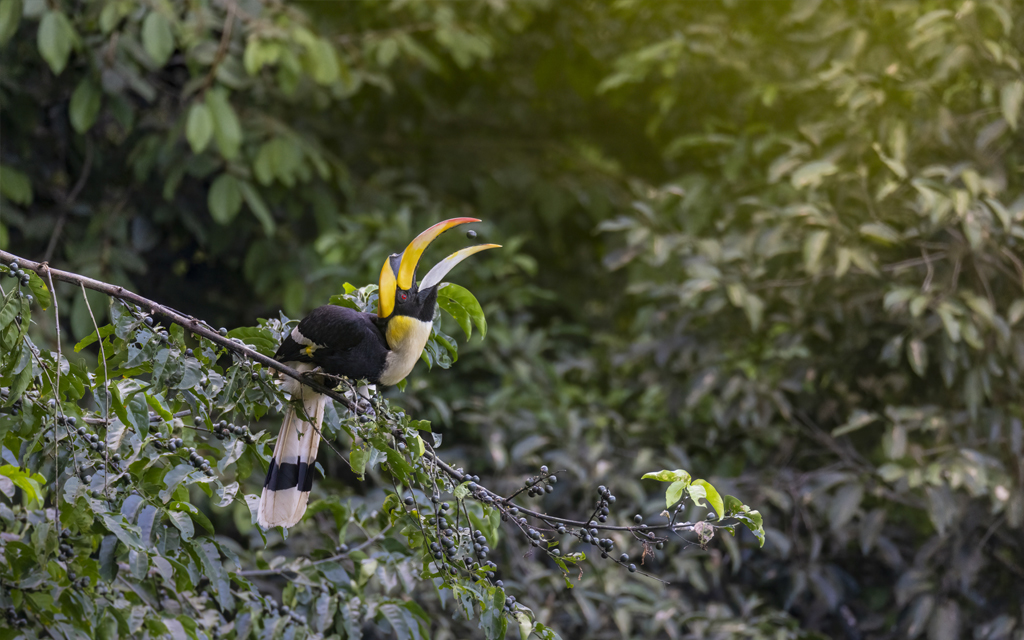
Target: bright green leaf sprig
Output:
{"points": [[699, 490]]}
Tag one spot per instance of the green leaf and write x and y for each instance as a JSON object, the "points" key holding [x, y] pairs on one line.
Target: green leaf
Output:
{"points": [[457, 311], [30, 483], [844, 504], [224, 198], [467, 301], [209, 556], [258, 338], [157, 37], [880, 232], [1010, 98], [85, 105], [734, 505], [814, 247], [199, 128], [260, 52], [357, 459], [667, 476], [156, 404], [55, 39], [39, 288], [197, 515], [21, 382], [227, 131], [322, 62], [258, 207], [812, 173], [674, 492], [858, 420], [712, 495], [108, 565], [15, 186], [10, 16], [752, 520]]}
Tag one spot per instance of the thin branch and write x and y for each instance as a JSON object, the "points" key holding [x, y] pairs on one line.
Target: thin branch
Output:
{"points": [[189, 323], [222, 48], [153, 417], [931, 271], [69, 201], [106, 384], [1016, 261], [56, 389], [273, 572]]}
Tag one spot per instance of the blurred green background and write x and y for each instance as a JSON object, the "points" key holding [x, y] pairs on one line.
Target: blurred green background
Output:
{"points": [[772, 243]]}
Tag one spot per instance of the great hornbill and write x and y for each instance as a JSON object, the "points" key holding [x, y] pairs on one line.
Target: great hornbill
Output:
{"points": [[381, 349]]}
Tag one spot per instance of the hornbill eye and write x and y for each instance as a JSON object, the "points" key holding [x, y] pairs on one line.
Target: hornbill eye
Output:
{"points": [[402, 296]]}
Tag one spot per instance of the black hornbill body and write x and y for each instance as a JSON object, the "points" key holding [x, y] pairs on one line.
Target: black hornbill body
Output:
{"points": [[381, 349]]}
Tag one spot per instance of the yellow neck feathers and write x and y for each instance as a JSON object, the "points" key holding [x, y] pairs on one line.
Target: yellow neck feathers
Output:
{"points": [[406, 338]]}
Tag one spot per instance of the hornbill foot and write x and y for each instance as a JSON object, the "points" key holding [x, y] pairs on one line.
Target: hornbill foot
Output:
{"points": [[313, 372]]}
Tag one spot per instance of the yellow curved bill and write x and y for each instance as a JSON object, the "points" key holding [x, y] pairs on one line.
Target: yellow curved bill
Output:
{"points": [[386, 290], [412, 253], [441, 269]]}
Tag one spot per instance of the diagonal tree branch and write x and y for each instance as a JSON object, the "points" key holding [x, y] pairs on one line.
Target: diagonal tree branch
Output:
{"points": [[188, 322]]}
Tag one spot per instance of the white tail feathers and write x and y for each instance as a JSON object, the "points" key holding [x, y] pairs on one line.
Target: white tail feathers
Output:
{"points": [[290, 477]]}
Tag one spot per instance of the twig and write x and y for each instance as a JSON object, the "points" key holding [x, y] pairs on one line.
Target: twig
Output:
{"points": [[69, 201], [273, 572], [500, 500], [56, 389], [1016, 261], [984, 283], [222, 48], [106, 384], [153, 417], [927, 284]]}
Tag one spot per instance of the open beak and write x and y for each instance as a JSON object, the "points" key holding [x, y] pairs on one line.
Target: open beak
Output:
{"points": [[399, 270], [411, 256], [441, 269]]}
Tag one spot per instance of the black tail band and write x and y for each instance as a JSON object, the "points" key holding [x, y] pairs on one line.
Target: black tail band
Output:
{"points": [[288, 475]]}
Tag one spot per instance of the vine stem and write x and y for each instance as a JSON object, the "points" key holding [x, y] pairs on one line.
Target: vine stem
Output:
{"points": [[189, 323], [56, 452]]}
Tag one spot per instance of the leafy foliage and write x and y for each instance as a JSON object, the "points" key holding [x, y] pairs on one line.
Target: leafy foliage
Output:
{"points": [[785, 256]]}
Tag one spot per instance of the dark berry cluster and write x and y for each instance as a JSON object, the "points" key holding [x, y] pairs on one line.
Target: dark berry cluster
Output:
{"points": [[198, 461], [603, 503], [541, 484], [65, 551], [477, 558], [92, 440], [225, 429], [273, 609], [172, 444], [14, 271], [13, 619], [453, 539], [15, 408], [510, 604], [79, 583]]}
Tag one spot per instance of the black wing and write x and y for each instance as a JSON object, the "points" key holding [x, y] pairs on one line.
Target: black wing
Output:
{"points": [[340, 340]]}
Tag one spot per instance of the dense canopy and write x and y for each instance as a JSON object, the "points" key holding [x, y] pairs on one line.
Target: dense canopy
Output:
{"points": [[775, 244]]}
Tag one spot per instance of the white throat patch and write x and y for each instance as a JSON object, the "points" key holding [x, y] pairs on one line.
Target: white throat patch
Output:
{"points": [[406, 337]]}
